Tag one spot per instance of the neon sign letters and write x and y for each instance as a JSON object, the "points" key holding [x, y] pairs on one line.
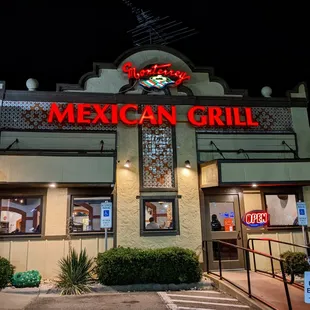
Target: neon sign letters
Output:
{"points": [[87, 113], [157, 76], [255, 218]]}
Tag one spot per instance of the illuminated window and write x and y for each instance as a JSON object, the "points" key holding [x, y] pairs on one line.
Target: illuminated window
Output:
{"points": [[87, 215], [282, 209], [21, 215], [159, 216]]}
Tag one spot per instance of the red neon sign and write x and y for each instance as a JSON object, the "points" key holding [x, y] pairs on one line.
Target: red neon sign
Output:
{"points": [[156, 74], [86, 113], [255, 218]]}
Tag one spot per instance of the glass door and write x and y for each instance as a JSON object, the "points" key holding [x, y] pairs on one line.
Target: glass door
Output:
{"points": [[223, 223]]}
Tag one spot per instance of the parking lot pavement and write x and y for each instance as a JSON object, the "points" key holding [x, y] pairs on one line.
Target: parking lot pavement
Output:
{"points": [[119, 301], [201, 300]]}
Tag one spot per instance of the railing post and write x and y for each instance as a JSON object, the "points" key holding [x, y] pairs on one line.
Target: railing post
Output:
{"points": [[289, 304], [271, 260], [220, 259], [207, 256], [247, 261], [254, 259]]}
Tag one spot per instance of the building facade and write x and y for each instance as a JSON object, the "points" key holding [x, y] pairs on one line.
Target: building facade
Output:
{"points": [[176, 155]]}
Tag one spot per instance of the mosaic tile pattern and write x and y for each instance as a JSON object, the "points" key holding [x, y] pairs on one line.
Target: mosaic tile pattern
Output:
{"points": [[157, 156], [33, 116], [269, 119]]}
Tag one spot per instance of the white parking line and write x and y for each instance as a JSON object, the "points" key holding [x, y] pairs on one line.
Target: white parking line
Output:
{"points": [[190, 308], [203, 297], [207, 303], [204, 291]]}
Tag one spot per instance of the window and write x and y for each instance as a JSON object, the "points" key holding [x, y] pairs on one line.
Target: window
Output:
{"points": [[21, 215], [159, 216], [282, 209], [86, 213]]}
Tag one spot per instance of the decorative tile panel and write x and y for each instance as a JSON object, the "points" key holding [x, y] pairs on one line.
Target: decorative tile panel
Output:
{"points": [[29, 115], [157, 146], [270, 120]]}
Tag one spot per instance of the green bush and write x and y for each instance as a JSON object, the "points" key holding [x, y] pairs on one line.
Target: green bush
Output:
{"points": [[30, 278], [296, 262], [6, 272], [121, 266], [75, 273]]}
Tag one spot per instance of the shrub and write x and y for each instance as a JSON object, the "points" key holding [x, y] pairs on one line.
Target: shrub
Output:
{"points": [[30, 278], [296, 262], [136, 266], [75, 273], [6, 272]]}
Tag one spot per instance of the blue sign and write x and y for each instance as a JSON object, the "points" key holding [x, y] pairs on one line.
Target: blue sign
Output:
{"points": [[307, 286], [106, 215], [302, 214]]}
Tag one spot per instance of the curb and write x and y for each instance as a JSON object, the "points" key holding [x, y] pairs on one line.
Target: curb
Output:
{"points": [[97, 289]]}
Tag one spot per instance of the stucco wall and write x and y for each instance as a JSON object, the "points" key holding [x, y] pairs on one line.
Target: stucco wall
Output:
{"points": [[127, 186]]}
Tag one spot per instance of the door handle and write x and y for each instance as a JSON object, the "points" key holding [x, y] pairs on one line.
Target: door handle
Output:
{"points": [[239, 236]]}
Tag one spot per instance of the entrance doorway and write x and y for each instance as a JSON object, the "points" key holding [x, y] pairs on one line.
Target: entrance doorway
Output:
{"points": [[222, 215]]}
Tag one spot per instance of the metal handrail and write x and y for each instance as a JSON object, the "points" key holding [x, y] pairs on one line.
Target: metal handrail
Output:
{"points": [[251, 240], [247, 262]]}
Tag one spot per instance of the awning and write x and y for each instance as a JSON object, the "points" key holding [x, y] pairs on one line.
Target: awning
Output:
{"points": [[246, 172]]}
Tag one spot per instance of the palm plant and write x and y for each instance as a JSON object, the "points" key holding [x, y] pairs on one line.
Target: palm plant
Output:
{"points": [[75, 273]]}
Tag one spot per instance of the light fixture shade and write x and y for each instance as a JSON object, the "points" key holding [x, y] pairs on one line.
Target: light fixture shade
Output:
{"points": [[187, 164], [127, 164]]}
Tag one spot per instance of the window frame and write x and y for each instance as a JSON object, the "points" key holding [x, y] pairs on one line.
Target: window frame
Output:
{"points": [[25, 196], [175, 212], [94, 195], [271, 193]]}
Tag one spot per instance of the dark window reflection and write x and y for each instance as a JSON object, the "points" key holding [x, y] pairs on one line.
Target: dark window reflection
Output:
{"points": [[227, 252]]}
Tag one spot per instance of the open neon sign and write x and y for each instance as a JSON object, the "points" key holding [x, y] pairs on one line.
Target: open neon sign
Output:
{"points": [[157, 76], [256, 218], [86, 113]]}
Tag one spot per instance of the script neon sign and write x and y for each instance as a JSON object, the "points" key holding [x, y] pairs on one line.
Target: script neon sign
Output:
{"points": [[158, 74], [255, 218], [86, 113]]}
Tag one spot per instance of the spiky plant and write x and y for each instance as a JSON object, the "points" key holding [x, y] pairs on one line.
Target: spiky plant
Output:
{"points": [[75, 273]]}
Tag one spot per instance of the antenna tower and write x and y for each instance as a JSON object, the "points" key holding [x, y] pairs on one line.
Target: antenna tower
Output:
{"points": [[156, 30]]}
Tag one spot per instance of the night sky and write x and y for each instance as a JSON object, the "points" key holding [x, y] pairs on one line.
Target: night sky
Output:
{"points": [[250, 44]]}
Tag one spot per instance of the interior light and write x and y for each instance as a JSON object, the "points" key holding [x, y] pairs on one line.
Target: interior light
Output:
{"points": [[52, 185], [254, 185], [127, 164], [187, 164]]}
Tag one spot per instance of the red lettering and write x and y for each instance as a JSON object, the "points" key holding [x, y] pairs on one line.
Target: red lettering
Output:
{"points": [[238, 122], [229, 120], [123, 114], [191, 116], [214, 116], [68, 113], [83, 109], [100, 114], [114, 116], [256, 218], [148, 114], [156, 69], [249, 118], [248, 219], [170, 117]]}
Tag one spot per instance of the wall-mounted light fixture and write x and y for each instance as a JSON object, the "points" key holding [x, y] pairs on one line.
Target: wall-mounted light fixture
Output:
{"points": [[127, 164], [187, 164]]}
